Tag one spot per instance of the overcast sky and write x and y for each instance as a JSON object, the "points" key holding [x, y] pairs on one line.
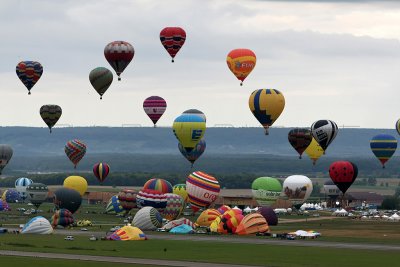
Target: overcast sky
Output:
{"points": [[337, 60]]}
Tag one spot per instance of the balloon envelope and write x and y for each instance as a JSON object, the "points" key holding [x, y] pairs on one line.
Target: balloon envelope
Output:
{"points": [[37, 225], [77, 183], [207, 217], [101, 79], [151, 198], [50, 114], [202, 189], [21, 184], [75, 150], [300, 139], [266, 190], [127, 198], [172, 38], [266, 105], [180, 189], [314, 151], [195, 112], [324, 131], [297, 188], [66, 198], [189, 129], [158, 184], [251, 224], [174, 206], [37, 193], [147, 218], [6, 153], [114, 205], [127, 233], [29, 72], [119, 54], [101, 171], [154, 107], [195, 153], [383, 146], [269, 214], [241, 62], [62, 217], [343, 174]]}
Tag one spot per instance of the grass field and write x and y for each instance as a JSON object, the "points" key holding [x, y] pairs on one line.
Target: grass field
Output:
{"points": [[203, 251]]}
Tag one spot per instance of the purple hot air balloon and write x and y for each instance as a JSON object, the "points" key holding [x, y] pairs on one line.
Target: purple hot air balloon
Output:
{"points": [[269, 214]]}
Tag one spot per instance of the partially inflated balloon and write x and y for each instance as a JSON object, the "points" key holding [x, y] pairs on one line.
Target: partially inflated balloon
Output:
{"points": [[37, 193], [207, 217], [195, 153], [29, 72], [174, 207], [154, 106], [62, 217], [189, 129], [66, 198], [50, 114], [77, 183], [158, 184], [297, 188], [383, 146], [127, 198], [241, 62], [172, 38], [230, 221], [202, 189], [114, 205], [147, 218], [180, 189], [101, 171], [314, 151], [101, 79], [119, 54], [300, 139], [266, 105], [75, 150], [37, 225], [6, 153], [324, 131], [343, 174], [251, 224], [266, 190]]}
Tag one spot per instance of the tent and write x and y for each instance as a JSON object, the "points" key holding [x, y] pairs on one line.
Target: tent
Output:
{"points": [[182, 229]]}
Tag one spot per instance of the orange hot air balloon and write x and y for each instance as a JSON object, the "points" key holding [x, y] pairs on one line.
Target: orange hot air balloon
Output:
{"points": [[251, 224], [241, 62]]}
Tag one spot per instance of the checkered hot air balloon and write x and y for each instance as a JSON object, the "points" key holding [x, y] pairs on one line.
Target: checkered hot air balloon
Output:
{"points": [[174, 207], [119, 54], [29, 72], [75, 150], [172, 38]]}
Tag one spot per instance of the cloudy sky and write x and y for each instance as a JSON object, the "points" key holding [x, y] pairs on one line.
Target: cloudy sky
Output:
{"points": [[337, 60]]}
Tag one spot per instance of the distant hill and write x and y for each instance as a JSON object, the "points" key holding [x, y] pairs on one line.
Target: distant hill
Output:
{"points": [[155, 149]]}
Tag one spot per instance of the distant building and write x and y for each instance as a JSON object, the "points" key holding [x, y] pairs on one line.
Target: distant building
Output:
{"points": [[358, 199]]}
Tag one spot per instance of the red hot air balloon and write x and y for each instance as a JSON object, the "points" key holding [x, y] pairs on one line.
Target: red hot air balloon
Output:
{"points": [[154, 106], [172, 38], [101, 170], [119, 54], [241, 62], [343, 174]]}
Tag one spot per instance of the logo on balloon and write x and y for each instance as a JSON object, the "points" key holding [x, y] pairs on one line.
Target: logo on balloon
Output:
{"points": [[196, 134], [210, 196]]}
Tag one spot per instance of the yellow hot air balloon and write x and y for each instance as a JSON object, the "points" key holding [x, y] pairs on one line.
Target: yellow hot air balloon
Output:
{"points": [[266, 105], [77, 183], [189, 129], [314, 151]]}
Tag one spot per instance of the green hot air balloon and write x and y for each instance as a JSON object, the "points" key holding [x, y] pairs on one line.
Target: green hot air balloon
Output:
{"points": [[50, 114], [266, 190], [101, 78]]}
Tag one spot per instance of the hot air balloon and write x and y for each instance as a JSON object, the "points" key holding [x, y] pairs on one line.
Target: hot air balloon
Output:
{"points": [[241, 62], [6, 153], [154, 107], [101, 171], [50, 114], [127, 233], [62, 217], [114, 205], [189, 129], [180, 189], [29, 72], [266, 105], [127, 198], [172, 224], [147, 218], [77, 183], [300, 139], [37, 225], [151, 198], [101, 79], [314, 151], [4, 205], [174, 207], [266, 190], [297, 188], [202, 189], [251, 224], [324, 131], [66, 198], [195, 153], [172, 38], [229, 222], [343, 174], [269, 214], [158, 184], [223, 208], [37, 193], [195, 112], [398, 126], [119, 54], [21, 184], [383, 146], [11, 196], [207, 217], [75, 150]]}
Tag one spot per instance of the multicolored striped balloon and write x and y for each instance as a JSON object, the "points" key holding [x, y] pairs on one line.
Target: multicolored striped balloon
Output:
{"points": [[383, 146], [119, 54], [174, 207], [151, 198], [101, 79], [241, 62], [158, 184], [154, 106], [101, 170], [50, 114], [29, 72], [202, 189], [75, 150], [172, 38], [195, 153], [127, 198]]}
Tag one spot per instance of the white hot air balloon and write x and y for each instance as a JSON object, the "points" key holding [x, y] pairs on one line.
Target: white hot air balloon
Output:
{"points": [[147, 218], [37, 225], [297, 188], [21, 184]]}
